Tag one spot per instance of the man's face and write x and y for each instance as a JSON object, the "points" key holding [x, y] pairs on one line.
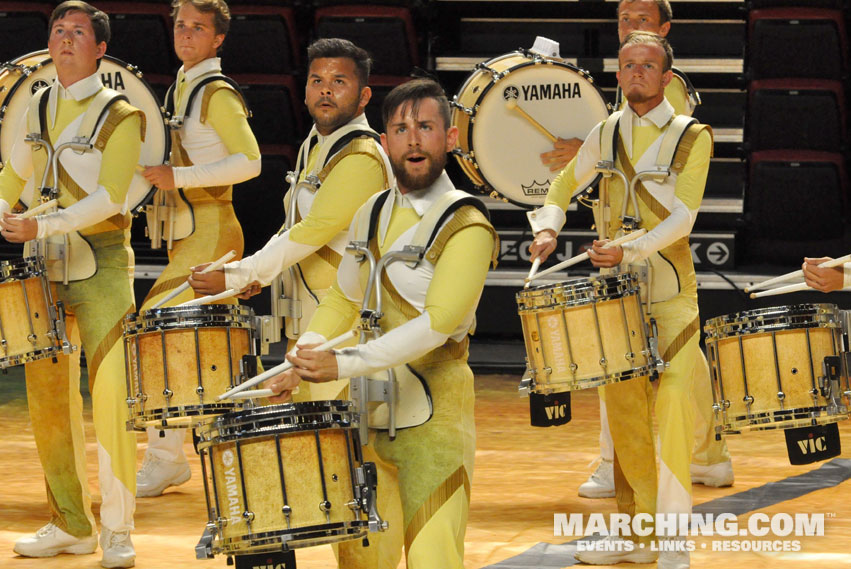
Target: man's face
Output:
{"points": [[195, 37], [417, 145], [333, 95], [73, 47], [641, 75], [640, 15]]}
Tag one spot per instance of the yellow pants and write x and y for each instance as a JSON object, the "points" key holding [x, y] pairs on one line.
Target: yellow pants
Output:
{"points": [[217, 231], [95, 308]]}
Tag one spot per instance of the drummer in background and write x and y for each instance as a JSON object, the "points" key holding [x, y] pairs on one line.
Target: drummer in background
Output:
{"points": [[344, 154], [213, 149], [826, 280], [92, 198], [667, 209], [428, 312], [711, 464]]}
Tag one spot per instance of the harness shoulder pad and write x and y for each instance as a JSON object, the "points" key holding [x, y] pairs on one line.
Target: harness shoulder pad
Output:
{"points": [[608, 137], [693, 95], [439, 212], [367, 216], [671, 140], [37, 111], [99, 106]]}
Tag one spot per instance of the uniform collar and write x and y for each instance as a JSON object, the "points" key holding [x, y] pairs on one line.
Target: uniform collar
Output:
{"points": [[79, 91], [420, 200], [659, 116], [209, 65], [359, 120]]}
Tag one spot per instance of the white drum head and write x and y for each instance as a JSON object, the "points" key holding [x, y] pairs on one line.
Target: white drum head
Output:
{"points": [[507, 146], [115, 74]]}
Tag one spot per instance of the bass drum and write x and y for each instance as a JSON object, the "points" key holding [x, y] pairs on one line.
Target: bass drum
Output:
{"points": [[499, 146], [21, 78]]}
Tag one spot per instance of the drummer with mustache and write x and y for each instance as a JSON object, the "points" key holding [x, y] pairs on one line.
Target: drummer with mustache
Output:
{"points": [[92, 193], [667, 208], [212, 149]]}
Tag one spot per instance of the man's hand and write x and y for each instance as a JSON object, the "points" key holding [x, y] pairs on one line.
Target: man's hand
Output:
{"points": [[207, 283], [563, 152], [544, 244], [282, 385], [825, 280], [251, 290], [160, 176], [605, 257], [17, 230], [314, 366]]}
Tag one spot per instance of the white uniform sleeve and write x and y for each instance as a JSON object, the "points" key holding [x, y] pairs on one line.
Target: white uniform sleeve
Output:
{"points": [[846, 275], [231, 169], [279, 253], [88, 211], [410, 341], [4, 207], [677, 225]]}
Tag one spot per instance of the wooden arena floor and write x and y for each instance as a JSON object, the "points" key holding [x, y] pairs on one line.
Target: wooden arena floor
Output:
{"points": [[523, 477]]}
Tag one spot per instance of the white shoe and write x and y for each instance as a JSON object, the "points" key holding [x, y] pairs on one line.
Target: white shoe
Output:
{"points": [[50, 541], [672, 554], [715, 475], [615, 549], [117, 549], [156, 475], [601, 484]]}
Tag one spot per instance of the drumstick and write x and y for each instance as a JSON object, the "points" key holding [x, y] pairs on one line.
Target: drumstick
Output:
{"points": [[535, 265], [781, 290], [217, 264], [252, 393], [280, 368], [798, 273], [583, 256], [511, 104], [38, 209], [210, 298]]}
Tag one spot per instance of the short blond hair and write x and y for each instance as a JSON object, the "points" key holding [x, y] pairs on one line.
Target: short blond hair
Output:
{"points": [[219, 9], [649, 38]]}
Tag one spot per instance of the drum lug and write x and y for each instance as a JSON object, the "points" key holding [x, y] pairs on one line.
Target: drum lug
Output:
{"points": [[287, 511], [204, 548], [494, 73], [653, 339], [747, 399], [781, 396], [167, 393], [367, 481], [456, 105], [527, 384], [248, 516], [199, 390], [461, 154]]}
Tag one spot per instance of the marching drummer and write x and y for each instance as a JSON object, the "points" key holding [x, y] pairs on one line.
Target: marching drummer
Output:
{"points": [[92, 190], [212, 149], [428, 311], [340, 149], [667, 209]]}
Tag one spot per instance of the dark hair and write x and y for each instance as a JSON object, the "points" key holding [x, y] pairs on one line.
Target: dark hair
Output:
{"points": [[338, 47], [219, 9], [99, 20], [666, 14], [649, 38], [413, 92]]}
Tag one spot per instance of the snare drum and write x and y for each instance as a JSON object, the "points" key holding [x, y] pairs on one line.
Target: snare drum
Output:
{"points": [[585, 333], [768, 367], [22, 77], [179, 359], [32, 326], [283, 477], [497, 146]]}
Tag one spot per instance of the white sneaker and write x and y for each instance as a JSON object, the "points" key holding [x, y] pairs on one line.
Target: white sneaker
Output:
{"points": [[673, 554], [117, 549], [615, 549], [50, 541], [156, 475], [715, 475], [601, 484]]}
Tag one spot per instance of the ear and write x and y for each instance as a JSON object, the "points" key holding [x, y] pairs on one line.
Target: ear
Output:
{"points": [[218, 40], [664, 29], [365, 96], [666, 78], [618, 76], [384, 143], [101, 49], [451, 138]]}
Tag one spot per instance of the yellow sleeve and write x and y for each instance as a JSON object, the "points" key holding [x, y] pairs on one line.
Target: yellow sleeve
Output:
{"points": [[349, 184], [227, 117], [562, 188], [120, 157], [692, 180], [334, 315], [11, 185], [459, 277], [677, 95]]}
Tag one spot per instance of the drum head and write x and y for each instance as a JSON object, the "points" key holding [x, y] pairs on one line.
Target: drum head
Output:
{"points": [[504, 145], [115, 74]]}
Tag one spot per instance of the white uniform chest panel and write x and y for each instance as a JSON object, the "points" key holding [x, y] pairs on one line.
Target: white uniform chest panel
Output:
{"points": [[83, 167], [201, 141], [664, 191], [411, 283]]}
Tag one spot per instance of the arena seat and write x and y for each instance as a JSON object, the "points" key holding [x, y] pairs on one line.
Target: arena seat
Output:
{"points": [[26, 22], [274, 102], [262, 39]]}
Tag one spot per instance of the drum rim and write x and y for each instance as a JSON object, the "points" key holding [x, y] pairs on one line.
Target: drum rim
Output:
{"points": [[27, 267], [30, 69], [532, 60], [628, 285], [273, 540], [762, 421], [187, 317], [154, 416], [596, 381], [761, 320]]}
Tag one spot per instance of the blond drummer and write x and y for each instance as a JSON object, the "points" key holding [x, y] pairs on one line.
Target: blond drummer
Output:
{"points": [[92, 194], [212, 149]]}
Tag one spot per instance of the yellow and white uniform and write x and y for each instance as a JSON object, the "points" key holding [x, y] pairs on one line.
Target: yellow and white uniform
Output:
{"points": [[92, 192], [213, 149], [668, 210], [429, 310]]}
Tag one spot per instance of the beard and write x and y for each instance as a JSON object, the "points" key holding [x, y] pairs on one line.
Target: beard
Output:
{"points": [[341, 115], [421, 181]]}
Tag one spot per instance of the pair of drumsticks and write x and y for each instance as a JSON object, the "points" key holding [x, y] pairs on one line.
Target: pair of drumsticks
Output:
{"points": [[789, 276]]}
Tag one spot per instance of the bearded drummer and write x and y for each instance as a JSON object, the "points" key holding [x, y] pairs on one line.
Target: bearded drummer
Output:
{"points": [[428, 311], [667, 208], [212, 149], [339, 166], [711, 464], [92, 191]]}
